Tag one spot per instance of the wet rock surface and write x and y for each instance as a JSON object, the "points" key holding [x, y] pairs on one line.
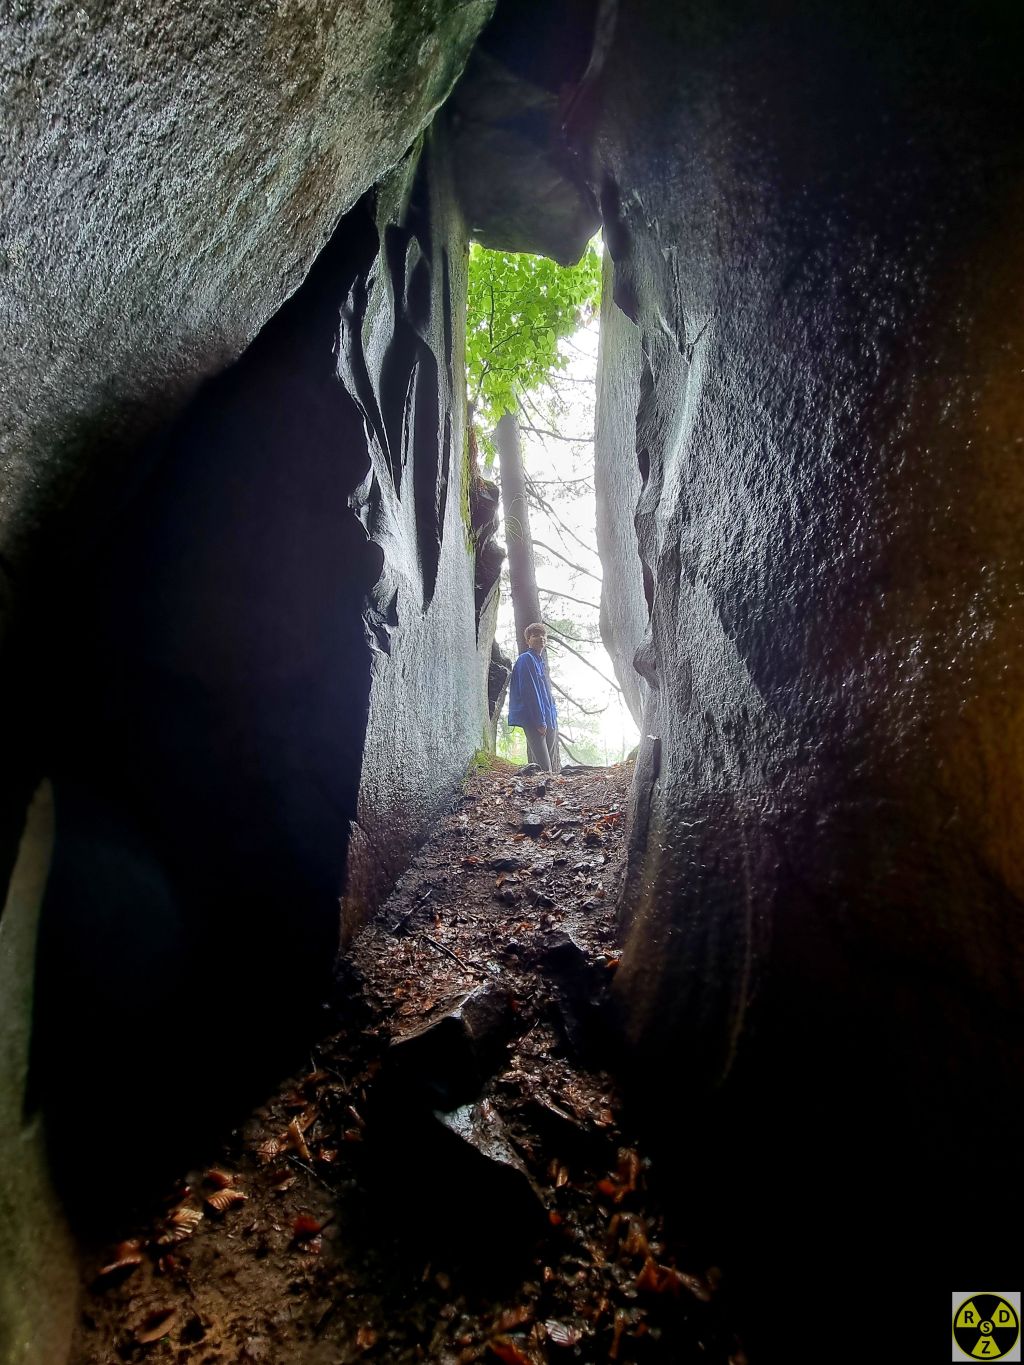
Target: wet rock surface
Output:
{"points": [[243, 733], [537, 817], [355, 1216], [812, 352], [451, 1051], [168, 178]]}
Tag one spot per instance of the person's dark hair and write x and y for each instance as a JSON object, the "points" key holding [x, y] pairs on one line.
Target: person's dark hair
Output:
{"points": [[535, 628]]}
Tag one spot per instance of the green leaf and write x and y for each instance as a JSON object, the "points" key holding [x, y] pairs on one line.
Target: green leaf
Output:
{"points": [[520, 307]]}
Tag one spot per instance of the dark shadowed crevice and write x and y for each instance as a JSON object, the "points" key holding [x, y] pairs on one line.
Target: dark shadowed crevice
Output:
{"points": [[209, 705]]}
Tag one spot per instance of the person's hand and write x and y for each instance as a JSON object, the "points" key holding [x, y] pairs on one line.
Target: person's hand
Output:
{"points": [[543, 729]]}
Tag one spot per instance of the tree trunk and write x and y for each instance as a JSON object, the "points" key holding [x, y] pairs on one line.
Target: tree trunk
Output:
{"points": [[522, 571]]}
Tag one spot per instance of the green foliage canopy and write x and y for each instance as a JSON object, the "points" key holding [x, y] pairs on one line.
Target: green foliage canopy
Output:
{"points": [[519, 308]]}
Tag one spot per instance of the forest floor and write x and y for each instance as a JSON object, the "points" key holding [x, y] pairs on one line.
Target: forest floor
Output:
{"points": [[450, 1178]]}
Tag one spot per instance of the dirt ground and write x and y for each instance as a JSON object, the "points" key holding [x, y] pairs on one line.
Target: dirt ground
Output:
{"points": [[448, 1179]]}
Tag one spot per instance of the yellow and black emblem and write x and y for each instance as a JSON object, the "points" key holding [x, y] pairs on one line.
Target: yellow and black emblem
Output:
{"points": [[986, 1326]]}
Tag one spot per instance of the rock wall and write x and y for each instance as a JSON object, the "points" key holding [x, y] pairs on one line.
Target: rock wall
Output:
{"points": [[275, 648], [403, 342], [169, 176], [183, 593], [38, 1274], [261, 682], [617, 485], [261, 687], [813, 217]]}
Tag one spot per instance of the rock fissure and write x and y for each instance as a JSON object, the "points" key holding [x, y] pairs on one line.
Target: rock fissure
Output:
{"points": [[249, 584]]}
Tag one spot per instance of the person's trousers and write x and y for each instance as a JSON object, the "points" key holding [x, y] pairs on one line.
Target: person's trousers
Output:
{"points": [[543, 748]]}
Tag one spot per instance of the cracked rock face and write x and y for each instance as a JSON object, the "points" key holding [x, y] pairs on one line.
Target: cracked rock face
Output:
{"points": [[820, 438], [168, 176], [266, 681], [828, 519], [277, 680], [401, 348]]}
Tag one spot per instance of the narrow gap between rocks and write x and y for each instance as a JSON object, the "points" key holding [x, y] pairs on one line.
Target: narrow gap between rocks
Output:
{"points": [[533, 331]]}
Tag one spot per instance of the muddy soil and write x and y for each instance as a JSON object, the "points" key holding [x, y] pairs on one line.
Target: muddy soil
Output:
{"points": [[450, 1178]]}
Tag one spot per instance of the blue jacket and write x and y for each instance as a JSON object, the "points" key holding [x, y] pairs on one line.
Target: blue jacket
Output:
{"points": [[529, 696]]}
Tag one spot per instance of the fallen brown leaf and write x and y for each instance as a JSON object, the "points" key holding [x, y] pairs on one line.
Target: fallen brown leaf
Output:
{"points": [[620, 1327], [625, 1179], [560, 1334], [635, 1241], [223, 1200], [508, 1351], [297, 1140], [156, 1325], [650, 1278], [272, 1147], [127, 1255], [661, 1279], [182, 1223], [698, 1287]]}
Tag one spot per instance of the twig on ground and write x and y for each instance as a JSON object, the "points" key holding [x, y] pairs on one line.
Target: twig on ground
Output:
{"points": [[297, 1161], [575, 757], [466, 966]]}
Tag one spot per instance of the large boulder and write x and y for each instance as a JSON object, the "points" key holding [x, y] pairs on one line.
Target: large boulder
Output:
{"points": [[169, 174], [521, 185], [813, 217], [260, 685], [277, 685], [193, 663]]}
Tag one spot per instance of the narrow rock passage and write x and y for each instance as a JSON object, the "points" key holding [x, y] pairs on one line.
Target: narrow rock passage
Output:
{"points": [[447, 1177]]}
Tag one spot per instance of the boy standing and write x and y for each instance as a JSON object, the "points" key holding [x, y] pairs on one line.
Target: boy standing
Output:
{"points": [[530, 703]]}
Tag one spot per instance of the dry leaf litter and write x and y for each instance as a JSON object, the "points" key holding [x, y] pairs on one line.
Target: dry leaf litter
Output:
{"points": [[447, 1179]]}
